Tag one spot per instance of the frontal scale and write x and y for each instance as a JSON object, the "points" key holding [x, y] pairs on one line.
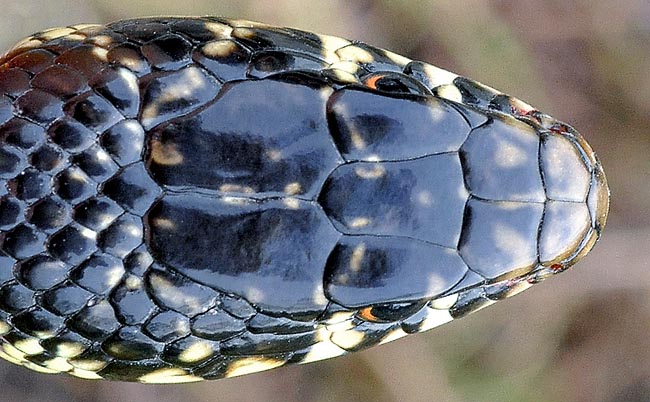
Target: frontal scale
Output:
{"points": [[197, 198]]}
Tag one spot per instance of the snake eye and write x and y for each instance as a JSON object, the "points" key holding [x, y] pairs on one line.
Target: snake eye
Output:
{"points": [[391, 312], [394, 83]]}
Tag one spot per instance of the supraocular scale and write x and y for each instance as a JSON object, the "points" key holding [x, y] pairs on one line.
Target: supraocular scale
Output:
{"points": [[197, 198]]}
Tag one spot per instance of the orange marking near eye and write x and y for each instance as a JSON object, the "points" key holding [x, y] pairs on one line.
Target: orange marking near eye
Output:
{"points": [[367, 315], [372, 81]]}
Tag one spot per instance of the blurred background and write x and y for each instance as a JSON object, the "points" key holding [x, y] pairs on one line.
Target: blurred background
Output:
{"points": [[581, 336]]}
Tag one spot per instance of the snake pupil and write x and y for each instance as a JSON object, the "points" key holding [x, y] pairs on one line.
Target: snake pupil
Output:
{"points": [[392, 84], [392, 312]]}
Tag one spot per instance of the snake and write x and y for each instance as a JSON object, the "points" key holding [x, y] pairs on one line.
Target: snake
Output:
{"points": [[193, 198]]}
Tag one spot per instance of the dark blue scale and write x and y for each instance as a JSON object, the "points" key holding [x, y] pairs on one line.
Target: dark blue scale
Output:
{"points": [[188, 198]]}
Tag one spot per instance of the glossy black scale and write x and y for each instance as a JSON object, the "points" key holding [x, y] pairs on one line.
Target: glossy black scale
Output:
{"points": [[196, 198]]}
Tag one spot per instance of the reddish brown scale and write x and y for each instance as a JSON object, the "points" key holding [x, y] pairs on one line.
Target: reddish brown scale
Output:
{"points": [[558, 267]]}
